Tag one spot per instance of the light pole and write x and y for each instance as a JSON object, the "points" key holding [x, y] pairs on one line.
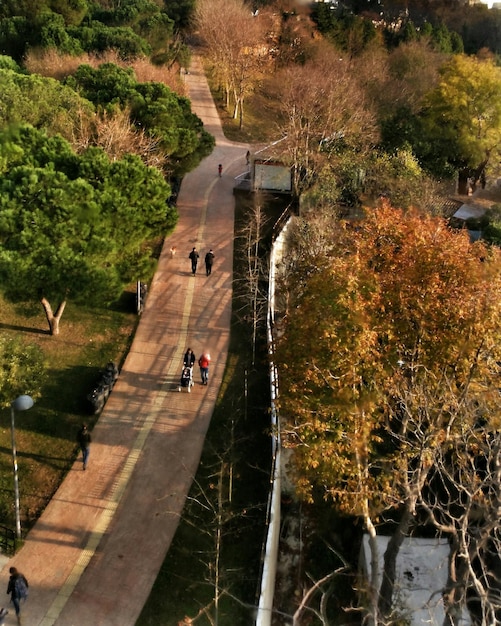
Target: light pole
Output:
{"points": [[22, 403]]}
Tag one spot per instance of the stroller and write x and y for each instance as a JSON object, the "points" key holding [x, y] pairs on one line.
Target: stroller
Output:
{"points": [[186, 379]]}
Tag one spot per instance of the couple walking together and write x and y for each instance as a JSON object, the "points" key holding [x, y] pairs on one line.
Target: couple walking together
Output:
{"points": [[209, 261], [203, 363]]}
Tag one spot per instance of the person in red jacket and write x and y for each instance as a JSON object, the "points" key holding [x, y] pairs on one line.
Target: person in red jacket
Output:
{"points": [[204, 362]]}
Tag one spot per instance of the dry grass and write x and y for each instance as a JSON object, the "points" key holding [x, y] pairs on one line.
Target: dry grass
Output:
{"points": [[54, 64], [261, 121], [112, 132]]}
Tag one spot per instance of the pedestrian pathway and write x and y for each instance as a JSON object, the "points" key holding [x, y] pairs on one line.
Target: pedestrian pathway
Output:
{"points": [[94, 554]]}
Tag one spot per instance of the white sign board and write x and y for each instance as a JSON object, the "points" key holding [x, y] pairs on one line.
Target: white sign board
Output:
{"points": [[272, 177]]}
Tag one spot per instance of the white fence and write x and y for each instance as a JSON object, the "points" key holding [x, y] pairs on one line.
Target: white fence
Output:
{"points": [[265, 607]]}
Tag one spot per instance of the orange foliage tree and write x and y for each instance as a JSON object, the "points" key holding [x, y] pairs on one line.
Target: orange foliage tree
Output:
{"points": [[389, 358]]}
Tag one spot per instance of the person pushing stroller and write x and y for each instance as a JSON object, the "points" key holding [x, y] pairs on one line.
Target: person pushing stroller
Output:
{"points": [[186, 381]]}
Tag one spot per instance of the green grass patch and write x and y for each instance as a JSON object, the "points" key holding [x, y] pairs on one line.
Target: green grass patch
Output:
{"points": [[45, 435]]}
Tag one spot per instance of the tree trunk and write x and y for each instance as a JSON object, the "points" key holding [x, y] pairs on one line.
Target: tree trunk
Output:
{"points": [[390, 565], [53, 319], [374, 569], [241, 118], [454, 594], [463, 182]]}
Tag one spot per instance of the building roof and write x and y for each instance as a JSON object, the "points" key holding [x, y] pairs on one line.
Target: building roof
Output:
{"points": [[468, 211]]}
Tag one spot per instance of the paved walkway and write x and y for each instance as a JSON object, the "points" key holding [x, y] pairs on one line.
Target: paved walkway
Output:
{"points": [[94, 554]]}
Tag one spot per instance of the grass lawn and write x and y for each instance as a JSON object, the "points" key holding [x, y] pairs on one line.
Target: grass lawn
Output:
{"points": [[45, 435], [261, 115]]}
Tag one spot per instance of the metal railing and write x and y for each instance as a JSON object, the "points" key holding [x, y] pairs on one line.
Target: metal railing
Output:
{"points": [[8, 541], [269, 568]]}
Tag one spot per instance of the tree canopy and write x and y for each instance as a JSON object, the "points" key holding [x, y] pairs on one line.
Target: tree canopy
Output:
{"points": [[162, 113], [390, 354], [58, 107], [22, 370], [75, 226], [134, 28], [465, 110], [399, 287]]}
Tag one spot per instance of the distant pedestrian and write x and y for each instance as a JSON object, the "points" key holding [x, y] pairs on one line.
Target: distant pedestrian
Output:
{"points": [[247, 157], [209, 260], [18, 589], [189, 358], [84, 439], [220, 170], [194, 256], [204, 362]]}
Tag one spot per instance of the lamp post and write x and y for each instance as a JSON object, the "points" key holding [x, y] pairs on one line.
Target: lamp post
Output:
{"points": [[22, 403]]}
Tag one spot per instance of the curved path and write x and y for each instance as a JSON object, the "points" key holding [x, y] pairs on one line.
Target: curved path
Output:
{"points": [[94, 554]]}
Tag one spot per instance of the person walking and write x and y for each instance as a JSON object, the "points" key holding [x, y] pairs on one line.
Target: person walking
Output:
{"points": [[189, 358], [204, 362], [194, 256], [18, 589], [220, 170], [209, 260], [84, 439]]}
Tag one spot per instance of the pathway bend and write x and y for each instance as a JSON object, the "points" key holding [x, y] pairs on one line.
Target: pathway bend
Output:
{"points": [[94, 554]]}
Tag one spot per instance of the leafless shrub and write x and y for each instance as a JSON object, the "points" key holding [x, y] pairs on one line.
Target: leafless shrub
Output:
{"points": [[114, 133]]}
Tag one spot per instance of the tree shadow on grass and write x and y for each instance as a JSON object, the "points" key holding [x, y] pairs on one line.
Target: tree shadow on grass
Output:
{"points": [[24, 329]]}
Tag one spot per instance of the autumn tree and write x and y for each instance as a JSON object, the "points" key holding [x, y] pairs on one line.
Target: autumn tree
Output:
{"points": [[461, 120], [235, 42], [390, 352], [401, 78], [324, 113]]}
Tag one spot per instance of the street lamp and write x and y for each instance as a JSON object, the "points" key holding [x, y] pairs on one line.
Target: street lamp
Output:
{"points": [[22, 403]]}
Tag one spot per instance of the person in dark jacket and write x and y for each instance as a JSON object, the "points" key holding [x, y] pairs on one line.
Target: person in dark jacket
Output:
{"points": [[209, 260], [18, 589], [84, 439], [189, 358], [194, 256]]}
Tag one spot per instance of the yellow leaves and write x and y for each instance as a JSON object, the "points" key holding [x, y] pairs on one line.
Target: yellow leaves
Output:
{"points": [[402, 287]]}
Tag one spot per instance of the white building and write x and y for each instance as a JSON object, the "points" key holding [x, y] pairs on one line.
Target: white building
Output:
{"points": [[422, 570]]}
